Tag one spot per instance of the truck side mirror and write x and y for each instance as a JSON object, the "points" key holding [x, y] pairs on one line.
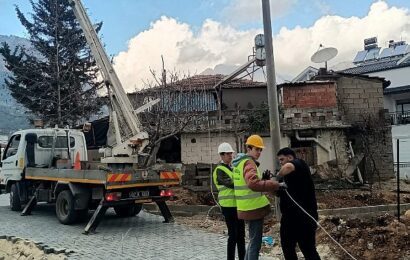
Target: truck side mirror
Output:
{"points": [[31, 138]]}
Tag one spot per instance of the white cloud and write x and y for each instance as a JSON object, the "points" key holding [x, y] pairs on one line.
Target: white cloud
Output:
{"points": [[293, 48], [242, 11], [216, 43], [183, 51]]}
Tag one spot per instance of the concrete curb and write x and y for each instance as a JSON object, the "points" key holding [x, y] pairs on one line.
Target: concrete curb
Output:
{"points": [[368, 210], [191, 210]]}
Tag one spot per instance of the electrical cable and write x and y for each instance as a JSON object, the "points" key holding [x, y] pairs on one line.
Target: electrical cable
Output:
{"points": [[334, 240]]}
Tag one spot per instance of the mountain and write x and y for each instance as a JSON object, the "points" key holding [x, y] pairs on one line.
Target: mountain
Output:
{"points": [[12, 114]]}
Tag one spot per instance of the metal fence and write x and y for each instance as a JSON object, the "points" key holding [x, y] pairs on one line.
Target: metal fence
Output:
{"points": [[400, 118]]}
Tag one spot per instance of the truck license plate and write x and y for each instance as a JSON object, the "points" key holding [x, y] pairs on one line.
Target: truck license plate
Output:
{"points": [[139, 194]]}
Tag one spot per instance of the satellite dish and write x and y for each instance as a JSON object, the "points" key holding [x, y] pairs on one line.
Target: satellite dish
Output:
{"points": [[324, 55]]}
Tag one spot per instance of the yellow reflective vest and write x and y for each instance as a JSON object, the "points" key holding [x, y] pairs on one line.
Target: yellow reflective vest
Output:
{"points": [[247, 199], [226, 196]]}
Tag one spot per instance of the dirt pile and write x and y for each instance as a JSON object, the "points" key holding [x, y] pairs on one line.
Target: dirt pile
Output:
{"points": [[186, 197], [378, 194], [382, 237], [14, 248]]}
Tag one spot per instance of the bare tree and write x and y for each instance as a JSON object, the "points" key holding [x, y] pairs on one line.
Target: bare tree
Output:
{"points": [[183, 104]]}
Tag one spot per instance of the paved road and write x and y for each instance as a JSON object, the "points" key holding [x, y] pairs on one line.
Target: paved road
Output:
{"points": [[140, 237]]}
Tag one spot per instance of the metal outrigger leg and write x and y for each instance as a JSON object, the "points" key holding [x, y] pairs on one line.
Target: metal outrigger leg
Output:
{"points": [[96, 218], [166, 213], [29, 207]]}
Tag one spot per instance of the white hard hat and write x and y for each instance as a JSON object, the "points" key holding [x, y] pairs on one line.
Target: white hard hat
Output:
{"points": [[225, 148]]}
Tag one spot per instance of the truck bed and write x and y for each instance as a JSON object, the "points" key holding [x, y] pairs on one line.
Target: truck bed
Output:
{"points": [[111, 180]]}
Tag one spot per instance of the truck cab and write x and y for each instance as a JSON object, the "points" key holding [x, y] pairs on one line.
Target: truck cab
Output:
{"points": [[40, 148]]}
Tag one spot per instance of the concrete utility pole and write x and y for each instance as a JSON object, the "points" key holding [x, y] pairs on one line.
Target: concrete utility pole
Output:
{"points": [[271, 84], [272, 93]]}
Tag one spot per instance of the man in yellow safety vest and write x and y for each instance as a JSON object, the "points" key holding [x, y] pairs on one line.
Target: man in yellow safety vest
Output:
{"points": [[253, 206], [223, 180]]}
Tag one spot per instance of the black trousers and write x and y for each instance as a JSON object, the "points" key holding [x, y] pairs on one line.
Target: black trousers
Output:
{"points": [[300, 231], [236, 233]]}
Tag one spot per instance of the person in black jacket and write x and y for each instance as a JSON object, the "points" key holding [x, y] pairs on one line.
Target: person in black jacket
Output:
{"points": [[296, 226]]}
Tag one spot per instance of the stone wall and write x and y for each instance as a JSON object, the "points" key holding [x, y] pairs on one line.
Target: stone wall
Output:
{"points": [[361, 100], [357, 97], [203, 147]]}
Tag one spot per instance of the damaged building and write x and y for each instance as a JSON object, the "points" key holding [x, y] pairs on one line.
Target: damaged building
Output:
{"points": [[337, 123], [220, 115]]}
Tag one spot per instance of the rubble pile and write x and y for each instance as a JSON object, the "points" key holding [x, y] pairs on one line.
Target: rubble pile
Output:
{"points": [[378, 237], [16, 248], [382, 237]]}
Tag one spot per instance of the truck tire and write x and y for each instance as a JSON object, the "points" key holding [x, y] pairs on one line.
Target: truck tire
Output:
{"points": [[15, 203], [128, 210], [65, 211]]}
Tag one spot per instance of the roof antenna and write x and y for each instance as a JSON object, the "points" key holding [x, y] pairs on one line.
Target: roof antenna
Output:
{"points": [[324, 55]]}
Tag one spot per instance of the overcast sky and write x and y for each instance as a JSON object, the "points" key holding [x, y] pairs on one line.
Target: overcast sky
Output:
{"points": [[194, 35]]}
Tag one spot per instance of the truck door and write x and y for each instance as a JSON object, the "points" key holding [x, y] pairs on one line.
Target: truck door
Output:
{"points": [[13, 159]]}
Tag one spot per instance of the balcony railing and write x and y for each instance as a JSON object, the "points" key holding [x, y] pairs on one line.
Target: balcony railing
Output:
{"points": [[400, 118]]}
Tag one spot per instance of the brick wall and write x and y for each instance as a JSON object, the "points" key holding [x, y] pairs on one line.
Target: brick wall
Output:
{"points": [[310, 95], [310, 105]]}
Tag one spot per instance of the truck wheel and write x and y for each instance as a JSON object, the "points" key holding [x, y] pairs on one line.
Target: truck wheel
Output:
{"points": [[128, 210], [15, 203], [65, 211]]}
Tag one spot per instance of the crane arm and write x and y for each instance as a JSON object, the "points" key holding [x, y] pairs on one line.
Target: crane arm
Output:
{"points": [[118, 94]]}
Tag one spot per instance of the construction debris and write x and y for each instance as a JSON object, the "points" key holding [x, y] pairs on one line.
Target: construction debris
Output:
{"points": [[16, 248], [378, 237]]}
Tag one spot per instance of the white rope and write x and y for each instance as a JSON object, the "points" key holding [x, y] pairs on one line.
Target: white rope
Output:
{"points": [[320, 226]]}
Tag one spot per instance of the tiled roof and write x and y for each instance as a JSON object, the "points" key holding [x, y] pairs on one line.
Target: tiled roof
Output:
{"points": [[377, 66], [207, 82]]}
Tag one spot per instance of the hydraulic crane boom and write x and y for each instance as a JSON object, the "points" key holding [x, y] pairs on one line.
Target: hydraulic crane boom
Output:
{"points": [[123, 111]]}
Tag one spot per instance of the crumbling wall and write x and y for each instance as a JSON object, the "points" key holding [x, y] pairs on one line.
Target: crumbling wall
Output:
{"points": [[310, 105], [361, 100], [336, 143]]}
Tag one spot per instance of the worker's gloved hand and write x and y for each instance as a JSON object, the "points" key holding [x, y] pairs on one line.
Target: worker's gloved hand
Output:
{"points": [[279, 178], [266, 175], [283, 186]]}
